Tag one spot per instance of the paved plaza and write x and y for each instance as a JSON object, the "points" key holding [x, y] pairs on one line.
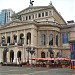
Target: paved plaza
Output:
{"points": [[6, 70]]}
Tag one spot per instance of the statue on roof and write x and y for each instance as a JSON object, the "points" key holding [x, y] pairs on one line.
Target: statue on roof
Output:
{"points": [[31, 3], [50, 3]]}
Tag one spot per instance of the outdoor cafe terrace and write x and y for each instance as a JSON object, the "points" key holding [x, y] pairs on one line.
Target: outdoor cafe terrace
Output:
{"points": [[51, 62]]}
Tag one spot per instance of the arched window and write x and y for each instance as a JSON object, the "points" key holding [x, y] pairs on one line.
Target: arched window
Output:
{"points": [[43, 39], [57, 40], [64, 38], [50, 39], [43, 55], [29, 38]]}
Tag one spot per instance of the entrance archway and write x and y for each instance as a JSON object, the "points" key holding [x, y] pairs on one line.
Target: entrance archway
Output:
{"points": [[4, 56], [43, 55], [11, 56], [19, 55]]}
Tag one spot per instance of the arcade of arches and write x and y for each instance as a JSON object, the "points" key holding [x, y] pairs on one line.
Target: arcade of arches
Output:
{"points": [[18, 51]]}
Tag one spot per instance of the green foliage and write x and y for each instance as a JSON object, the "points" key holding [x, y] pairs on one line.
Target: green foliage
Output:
{"points": [[18, 17]]}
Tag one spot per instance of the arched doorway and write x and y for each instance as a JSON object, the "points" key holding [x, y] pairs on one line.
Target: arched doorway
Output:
{"points": [[43, 55], [29, 38], [19, 55], [4, 56], [11, 56]]}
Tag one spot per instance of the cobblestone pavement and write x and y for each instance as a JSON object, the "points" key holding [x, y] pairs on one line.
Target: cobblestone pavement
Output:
{"points": [[6, 70]]}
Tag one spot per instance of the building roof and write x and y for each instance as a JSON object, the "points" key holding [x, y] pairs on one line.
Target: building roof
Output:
{"points": [[38, 8]]}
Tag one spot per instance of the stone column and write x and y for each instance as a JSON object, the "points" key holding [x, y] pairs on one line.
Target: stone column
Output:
{"points": [[59, 36], [17, 36], [60, 39], [5, 38], [11, 38], [24, 38], [47, 39], [23, 54], [15, 56], [1, 55], [32, 37], [54, 38], [8, 57]]}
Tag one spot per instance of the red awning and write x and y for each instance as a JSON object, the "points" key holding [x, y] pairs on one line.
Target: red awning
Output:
{"points": [[62, 59], [50, 59]]}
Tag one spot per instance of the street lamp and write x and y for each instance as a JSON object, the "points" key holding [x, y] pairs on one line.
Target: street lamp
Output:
{"points": [[50, 50], [28, 50], [32, 52]]}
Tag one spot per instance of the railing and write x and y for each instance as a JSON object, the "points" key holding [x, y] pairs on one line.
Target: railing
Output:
{"points": [[4, 44], [11, 43], [20, 44]]}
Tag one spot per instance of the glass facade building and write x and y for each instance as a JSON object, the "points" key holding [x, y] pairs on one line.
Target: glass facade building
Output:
{"points": [[2, 18], [5, 16]]}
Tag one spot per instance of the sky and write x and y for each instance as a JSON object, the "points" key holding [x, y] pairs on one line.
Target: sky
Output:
{"points": [[65, 7]]}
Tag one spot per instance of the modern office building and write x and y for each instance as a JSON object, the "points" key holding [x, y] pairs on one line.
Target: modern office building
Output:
{"points": [[5, 16], [37, 30], [2, 18]]}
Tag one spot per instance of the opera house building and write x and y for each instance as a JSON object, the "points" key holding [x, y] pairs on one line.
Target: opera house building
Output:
{"points": [[37, 32]]}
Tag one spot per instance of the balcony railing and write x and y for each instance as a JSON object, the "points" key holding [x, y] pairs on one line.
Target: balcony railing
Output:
{"points": [[4, 44], [20, 44], [11, 43]]}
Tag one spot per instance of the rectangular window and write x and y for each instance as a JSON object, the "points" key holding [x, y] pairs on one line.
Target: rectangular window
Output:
{"points": [[26, 17], [29, 17], [9, 14], [46, 13], [57, 40], [39, 14], [8, 39], [43, 14]]}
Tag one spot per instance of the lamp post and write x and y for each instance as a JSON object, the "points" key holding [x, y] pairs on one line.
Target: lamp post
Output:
{"points": [[32, 52], [28, 50], [50, 50]]}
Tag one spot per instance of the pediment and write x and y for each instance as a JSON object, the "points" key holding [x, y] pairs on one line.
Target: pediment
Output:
{"points": [[32, 9]]}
